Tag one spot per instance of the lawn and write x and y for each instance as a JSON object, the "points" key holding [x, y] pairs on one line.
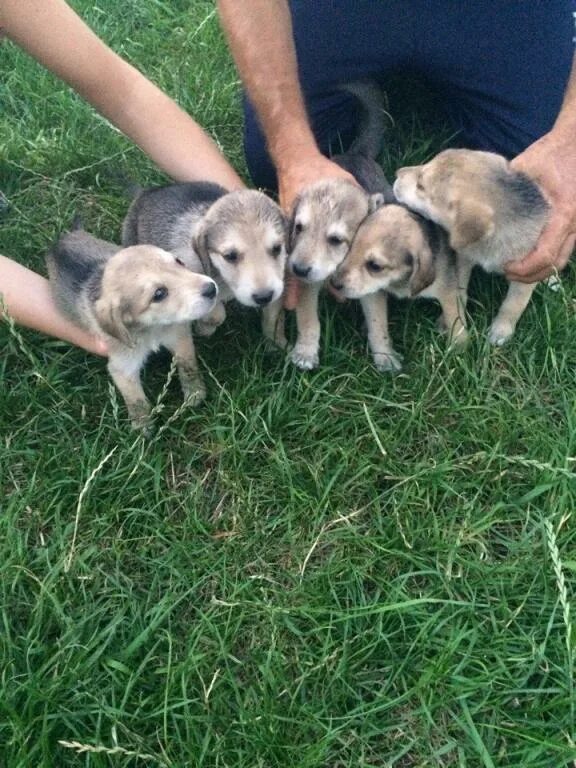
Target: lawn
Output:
{"points": [[338, 568]]}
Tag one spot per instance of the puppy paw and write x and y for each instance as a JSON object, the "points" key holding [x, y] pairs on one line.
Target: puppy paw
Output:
{"points": [[140, 418], [147, 430], [459, 339], [208, 324], [279, 340], [204, 328], [275, 345], [388, 362], [194, 392], [275, 338], [441, 326], [273, 326], [500, 332], [145, 426], [305, 359]]}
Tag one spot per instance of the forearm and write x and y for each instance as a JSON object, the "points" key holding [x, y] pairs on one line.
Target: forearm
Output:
{"points": [[170, 138], [565, 124], [260, 38], [25, 296], [54, 35]]}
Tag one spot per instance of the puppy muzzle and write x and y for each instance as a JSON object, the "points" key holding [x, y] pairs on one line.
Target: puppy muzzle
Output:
{"points": [[301, 271], [210, 291]]}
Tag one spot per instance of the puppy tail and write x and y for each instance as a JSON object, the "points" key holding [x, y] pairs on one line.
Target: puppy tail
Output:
{"points": [[77, 223], [128, 186], [373, 118]]}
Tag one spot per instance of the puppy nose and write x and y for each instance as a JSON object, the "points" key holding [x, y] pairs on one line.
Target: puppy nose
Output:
{"points": [[300, 271], [209, 290], [263, 298], [337, 285]]}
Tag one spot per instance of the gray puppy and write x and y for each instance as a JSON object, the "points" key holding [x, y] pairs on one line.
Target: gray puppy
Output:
{"points": [[138, 299], [235, 237]]}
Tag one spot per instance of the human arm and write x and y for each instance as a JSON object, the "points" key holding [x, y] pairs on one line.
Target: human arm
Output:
{"points": [[551, 161], [261, 42], [25, 296], [52, 33], [260, 39]]}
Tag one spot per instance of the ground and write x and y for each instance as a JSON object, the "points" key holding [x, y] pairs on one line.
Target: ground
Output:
{"points": [[339, 568]]}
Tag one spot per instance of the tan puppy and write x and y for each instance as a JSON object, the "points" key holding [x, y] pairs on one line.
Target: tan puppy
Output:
{"points": [[397, 252], [138, 299], [492, 214], [324, 222], [327, 214]]}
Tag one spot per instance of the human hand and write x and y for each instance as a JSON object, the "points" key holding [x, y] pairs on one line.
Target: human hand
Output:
{"points": [[309, 169], [551, 161], [101, 348]]}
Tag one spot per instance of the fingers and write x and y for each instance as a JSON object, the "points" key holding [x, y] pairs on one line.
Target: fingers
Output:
{"points": [[293, 180], [101, 348], [550, 255], [338, 295], [292, 292]]}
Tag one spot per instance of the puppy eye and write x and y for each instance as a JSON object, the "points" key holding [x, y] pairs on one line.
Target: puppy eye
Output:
{"points": [[231, 256], [276, 250], [373, 266], [335, 240], [298, 228], [179, 262], [419, 185], [160, 294]]}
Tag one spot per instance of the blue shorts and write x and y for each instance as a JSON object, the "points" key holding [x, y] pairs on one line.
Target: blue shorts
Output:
{"points": [[499, 67]]}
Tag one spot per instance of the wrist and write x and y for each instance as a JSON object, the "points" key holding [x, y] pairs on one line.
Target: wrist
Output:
{"points": [[290, 156], [564, 132]]}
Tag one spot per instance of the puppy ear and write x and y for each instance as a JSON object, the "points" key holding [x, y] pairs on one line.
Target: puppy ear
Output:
{"points": [[471, 222], [375, 201], [200, 246], [290, 225], [113, 318], [423, 271]]}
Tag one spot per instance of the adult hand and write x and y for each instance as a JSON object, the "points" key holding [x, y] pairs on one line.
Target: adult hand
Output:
{"points": [[291, 182], [551, 161], [296, 176]]}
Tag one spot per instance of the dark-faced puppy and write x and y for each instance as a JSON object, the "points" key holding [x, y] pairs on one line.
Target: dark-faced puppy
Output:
{"points": [[235, 237], [492, 213], [397, 252], [138, 299]]}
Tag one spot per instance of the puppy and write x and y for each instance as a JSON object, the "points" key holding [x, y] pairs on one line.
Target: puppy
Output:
{"points": [[237, 238], [398, 252], [492, 214], [325, 218], [138, 299]]}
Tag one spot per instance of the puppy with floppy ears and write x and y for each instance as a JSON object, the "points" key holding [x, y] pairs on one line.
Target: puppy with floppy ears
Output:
{"points": [[138, 299], [492, 213], [326, 215], [396, 251], [237, 238]]}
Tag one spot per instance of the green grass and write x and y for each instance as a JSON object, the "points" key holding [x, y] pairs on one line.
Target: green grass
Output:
{"points": [[329, 569]]}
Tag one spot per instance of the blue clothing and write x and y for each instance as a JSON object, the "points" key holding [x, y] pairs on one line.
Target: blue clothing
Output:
{"points": [[499, 67]]}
